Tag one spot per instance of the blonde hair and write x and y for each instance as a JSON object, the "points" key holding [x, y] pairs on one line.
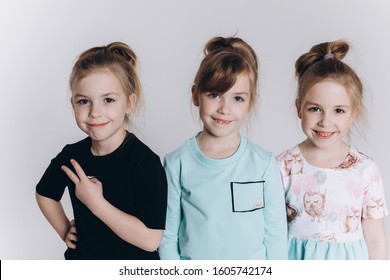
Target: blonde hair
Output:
{"points": [[117, 57], [324, 62], [225, 59]]}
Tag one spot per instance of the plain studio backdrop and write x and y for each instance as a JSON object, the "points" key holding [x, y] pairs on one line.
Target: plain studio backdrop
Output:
{"points": [[40, 41]]}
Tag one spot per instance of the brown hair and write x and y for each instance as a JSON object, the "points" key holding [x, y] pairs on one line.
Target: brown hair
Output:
{"points": [[225, 59], [117, 57], [324, 62]]}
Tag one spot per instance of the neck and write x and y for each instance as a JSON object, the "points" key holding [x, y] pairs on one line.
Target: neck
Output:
{"points": [[330, 157], [105, 147], [218, 147]]}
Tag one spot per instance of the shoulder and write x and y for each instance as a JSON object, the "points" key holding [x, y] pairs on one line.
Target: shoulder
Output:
{"points": [[257, 150], [361, 155], [363, 161], [76, 148], [180, 153], [293, 151], [135, 148], [258, 155], [135, 156]]}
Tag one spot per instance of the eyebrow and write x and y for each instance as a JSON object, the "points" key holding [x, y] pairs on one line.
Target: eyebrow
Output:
{"points": [[316, 104], [243, 92], [78, 95]]}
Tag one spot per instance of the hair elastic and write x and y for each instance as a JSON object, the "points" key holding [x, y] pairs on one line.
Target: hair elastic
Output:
{"points": [[328, 55]]}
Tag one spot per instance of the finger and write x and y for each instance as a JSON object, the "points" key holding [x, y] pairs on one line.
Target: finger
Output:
{"points": [[71, 244], [73, 230], [71, 240], [94, 180], [73, 177], [79, 170], [71, 236]]}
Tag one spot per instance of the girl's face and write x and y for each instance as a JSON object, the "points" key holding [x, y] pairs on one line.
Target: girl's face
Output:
{"points": [[223, 114], [327, 114], [100, 107]]}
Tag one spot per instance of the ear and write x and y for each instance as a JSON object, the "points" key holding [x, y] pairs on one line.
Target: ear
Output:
{"points": [[131, 102], [195, 97], [298, 107], [71, 102]]}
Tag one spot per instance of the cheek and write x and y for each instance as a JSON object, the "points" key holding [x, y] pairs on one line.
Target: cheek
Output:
{"points": [[347, 124], [247, 108], [204, 106], [79, 114], [309, 118], [202, 110], [304, 120]]}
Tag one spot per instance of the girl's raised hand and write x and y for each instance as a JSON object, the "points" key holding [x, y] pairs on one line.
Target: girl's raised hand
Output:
{"points": [[88, 190]]}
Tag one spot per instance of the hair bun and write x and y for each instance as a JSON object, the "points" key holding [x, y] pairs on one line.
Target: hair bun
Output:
{"points": [[219, 43], [122, 50], [339, 49], [329, 50]]}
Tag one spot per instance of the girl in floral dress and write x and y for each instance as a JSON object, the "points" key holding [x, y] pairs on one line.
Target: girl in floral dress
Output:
{"points": [[334, 193]]}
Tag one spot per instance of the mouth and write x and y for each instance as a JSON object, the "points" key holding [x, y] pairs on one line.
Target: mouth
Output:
{"points": [[223, 122], [323, 134], [96, 125]]}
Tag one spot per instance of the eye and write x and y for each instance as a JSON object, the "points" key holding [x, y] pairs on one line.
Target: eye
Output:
{"points": [[340, 111], [239, 99], [82, 101], [213, 95], [108, 100], [314, 109]]}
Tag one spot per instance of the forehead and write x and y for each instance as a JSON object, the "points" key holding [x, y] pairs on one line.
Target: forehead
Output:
{"points": [[242, 84], [329, 93], [99, 81]]}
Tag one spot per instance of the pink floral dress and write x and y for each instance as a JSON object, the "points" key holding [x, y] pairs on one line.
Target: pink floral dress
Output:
{"points": [[325, 206]]}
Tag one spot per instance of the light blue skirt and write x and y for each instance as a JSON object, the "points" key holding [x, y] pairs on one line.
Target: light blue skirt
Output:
{"points": [[319, 250]]}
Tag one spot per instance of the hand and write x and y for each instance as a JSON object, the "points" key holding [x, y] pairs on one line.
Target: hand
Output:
{"points": [[71, 237], [88, 190]]}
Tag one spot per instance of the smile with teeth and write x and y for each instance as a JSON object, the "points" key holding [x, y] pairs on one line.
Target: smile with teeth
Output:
{"points": [[323, 135], [219, 121]]}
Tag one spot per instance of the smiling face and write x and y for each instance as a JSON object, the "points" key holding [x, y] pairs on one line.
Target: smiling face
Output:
{"points": [[223, 114], [100, 107], [326, 114]]}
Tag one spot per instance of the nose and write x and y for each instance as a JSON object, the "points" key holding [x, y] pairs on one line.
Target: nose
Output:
{"points": [[325, 120], [95, 111], [224, 107]]}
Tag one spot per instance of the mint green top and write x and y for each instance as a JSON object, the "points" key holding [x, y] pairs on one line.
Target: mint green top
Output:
{"points": [[230, 208]]}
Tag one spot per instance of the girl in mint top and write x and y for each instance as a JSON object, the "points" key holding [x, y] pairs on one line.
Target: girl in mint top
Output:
{"points": [[225, 193]]}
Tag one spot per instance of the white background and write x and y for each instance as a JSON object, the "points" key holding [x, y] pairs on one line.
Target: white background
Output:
{"points": [[41, 39]]}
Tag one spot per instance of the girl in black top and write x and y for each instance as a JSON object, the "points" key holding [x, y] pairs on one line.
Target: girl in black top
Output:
{"points": [[116, 183]]}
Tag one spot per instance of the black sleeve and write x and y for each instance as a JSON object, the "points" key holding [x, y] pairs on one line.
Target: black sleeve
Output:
{"points": [[151, 192], [54, 180]]}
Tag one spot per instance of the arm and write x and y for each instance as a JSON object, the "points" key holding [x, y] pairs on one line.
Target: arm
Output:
{"points": [[126, 226], [129, 228], [275, 228], [375, 237], [54, 213], [169, 247]]}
